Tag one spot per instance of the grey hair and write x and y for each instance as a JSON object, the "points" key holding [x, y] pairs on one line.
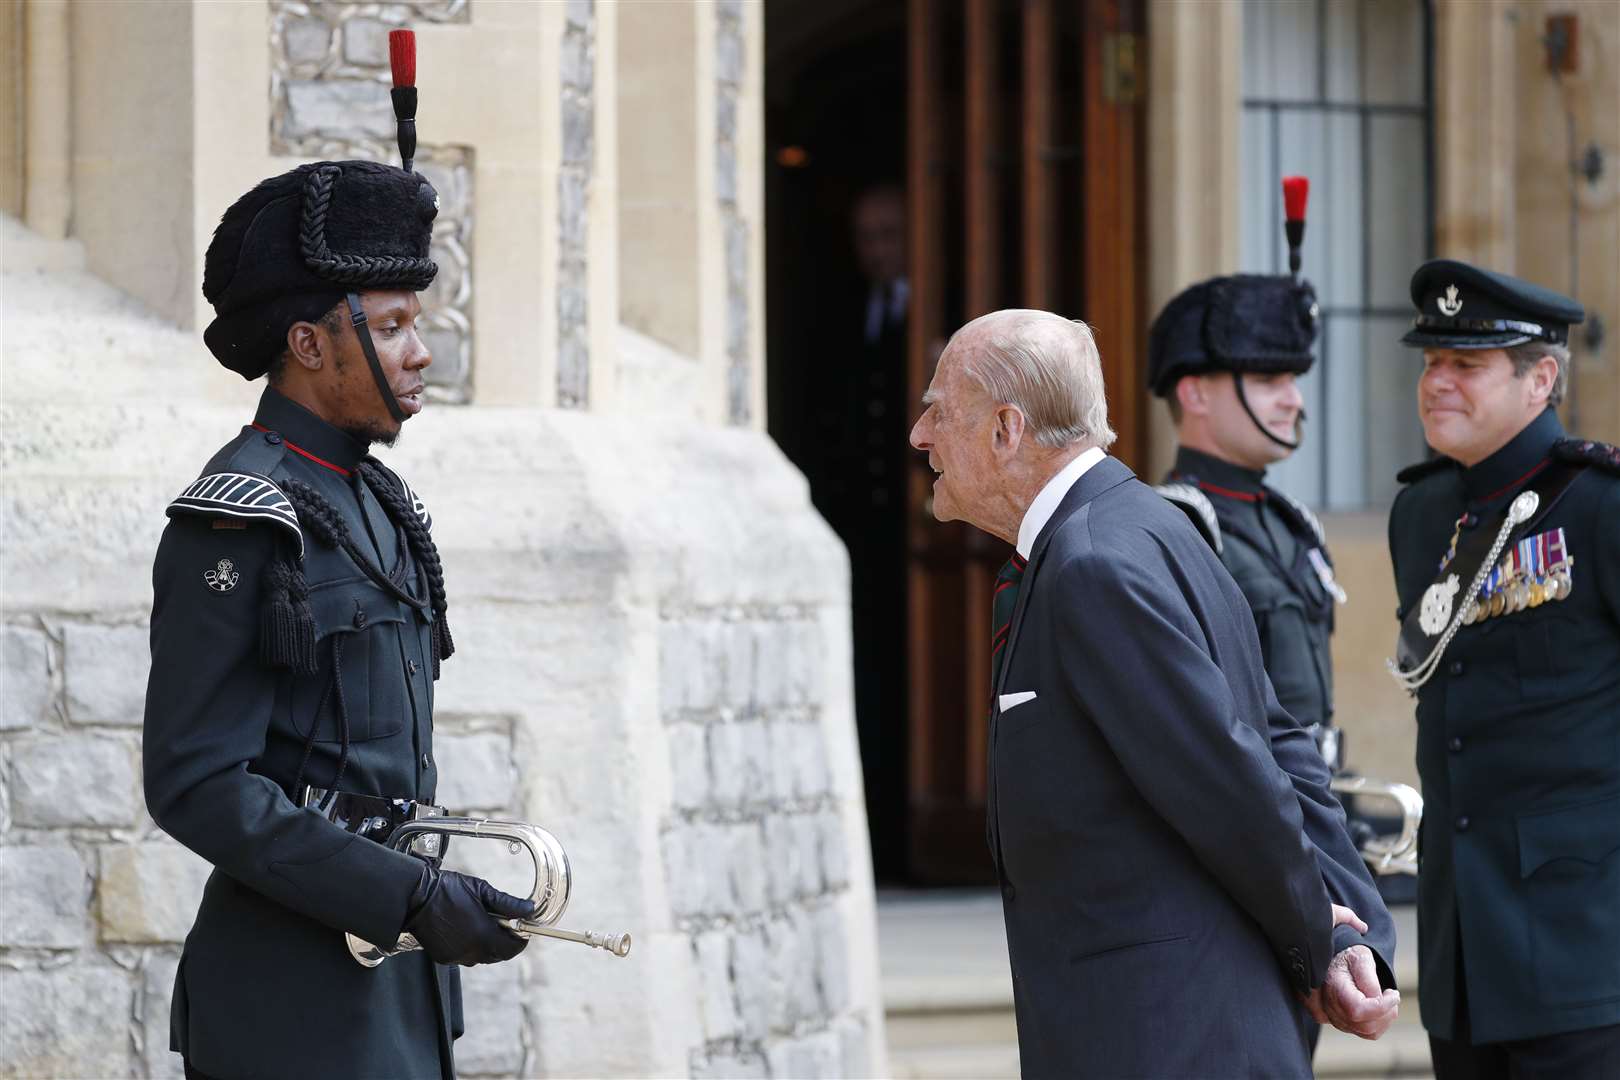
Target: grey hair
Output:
{"points": [[1049, 368], [1526, 356]]}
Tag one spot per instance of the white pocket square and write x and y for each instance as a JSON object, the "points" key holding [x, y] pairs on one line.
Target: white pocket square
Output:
{"points": [[1009, 701]]}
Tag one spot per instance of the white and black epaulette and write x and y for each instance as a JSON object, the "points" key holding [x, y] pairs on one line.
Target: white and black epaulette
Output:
{"points": [[1197, 506], [239, 495]]}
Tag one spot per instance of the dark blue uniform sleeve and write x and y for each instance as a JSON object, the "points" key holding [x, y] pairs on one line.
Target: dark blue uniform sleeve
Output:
{"points": [[1166, 711], [1344, 872], [208, 709]]}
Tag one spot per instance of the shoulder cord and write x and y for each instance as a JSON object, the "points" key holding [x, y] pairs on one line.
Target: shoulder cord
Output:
{"points": [[426, 552], [1522, 510], [315, 723]]}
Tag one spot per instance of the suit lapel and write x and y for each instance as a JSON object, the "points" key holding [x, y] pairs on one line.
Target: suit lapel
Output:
{"points": [[1106, 474]]}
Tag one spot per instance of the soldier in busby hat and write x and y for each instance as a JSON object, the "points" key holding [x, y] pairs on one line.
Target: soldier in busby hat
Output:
{"points": [[1225, 355], [1506, 550], [298, 627]]}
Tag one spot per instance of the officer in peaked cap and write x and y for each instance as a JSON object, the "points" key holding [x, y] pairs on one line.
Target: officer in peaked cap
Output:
{"points": [[298, 625], [1506, 550], [1224, 355]]}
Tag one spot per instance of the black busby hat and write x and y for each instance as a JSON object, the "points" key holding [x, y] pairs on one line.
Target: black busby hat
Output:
{"points": [[291, 248], [1466, 307], [1243, 323]]}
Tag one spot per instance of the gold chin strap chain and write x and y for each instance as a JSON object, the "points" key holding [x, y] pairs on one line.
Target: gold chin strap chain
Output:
{"points": [[1522, 510]]}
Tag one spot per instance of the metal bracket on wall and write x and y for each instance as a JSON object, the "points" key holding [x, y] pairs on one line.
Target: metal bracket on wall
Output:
{"points": [[1122, 69]]}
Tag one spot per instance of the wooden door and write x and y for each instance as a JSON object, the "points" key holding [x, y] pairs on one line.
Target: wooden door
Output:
{"points": [[1024, 177]]}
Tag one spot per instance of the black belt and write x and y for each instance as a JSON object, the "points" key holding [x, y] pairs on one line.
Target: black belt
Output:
{"points": [[375, 817]]}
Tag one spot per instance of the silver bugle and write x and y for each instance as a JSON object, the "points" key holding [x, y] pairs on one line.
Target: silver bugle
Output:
{"points": [[552, 882]]}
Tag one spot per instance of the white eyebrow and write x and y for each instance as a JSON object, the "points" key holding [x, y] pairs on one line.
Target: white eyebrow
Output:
{"points": [[930, 396]]}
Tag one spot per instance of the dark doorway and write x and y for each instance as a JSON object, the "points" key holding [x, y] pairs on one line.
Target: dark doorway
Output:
{"points": [[1012, 131]]}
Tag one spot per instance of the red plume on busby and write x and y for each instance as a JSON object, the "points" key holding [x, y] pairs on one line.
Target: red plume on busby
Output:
{"points": [[1296, 189], [402, 59]]}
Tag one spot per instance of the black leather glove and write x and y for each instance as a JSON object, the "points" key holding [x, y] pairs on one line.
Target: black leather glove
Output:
{"points": [[453, 917]]}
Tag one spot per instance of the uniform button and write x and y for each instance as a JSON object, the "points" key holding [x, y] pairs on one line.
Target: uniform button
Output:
{"points": [[427, 762], [1457, 667], [359, 619], [1462, 823], [410, 665], [1455, 744], [272, 438], [1008, 892]]}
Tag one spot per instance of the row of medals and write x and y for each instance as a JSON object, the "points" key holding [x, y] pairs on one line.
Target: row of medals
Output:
{"points": [[1521, 591]]}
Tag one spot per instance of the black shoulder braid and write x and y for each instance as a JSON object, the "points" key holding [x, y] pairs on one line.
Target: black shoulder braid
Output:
{"points": [[1413, 473], [1588, 452], [391, 492]]}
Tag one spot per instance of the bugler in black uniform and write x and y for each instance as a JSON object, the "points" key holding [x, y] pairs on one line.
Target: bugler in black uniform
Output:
{"points": [[1518, 703], [297, 629]]}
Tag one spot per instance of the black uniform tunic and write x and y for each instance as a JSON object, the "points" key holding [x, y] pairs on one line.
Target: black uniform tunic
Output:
{"points": [[1518, 748], [1267, 540], [266, 986]]}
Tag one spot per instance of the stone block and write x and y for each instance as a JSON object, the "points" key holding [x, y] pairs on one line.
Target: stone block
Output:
{"points": [[74, 780], [476, 771], [577, 69], [739, 1066], [157, 993], [105, 669], [725, 172], [782, 859], [689, 765], [818, 1054], [833, 851], [68, 1021], [149, 892], [811, 777], [492, 1001], [689, 664], [365, 42], [25, 676], [790, 962], [580, 14], [854, 1047], [717, 1001], [696, 859], [573, 223], [753, 744], [746, 867], [784, 745], [307, 41], [807, 649], [832, 957], [751, 970], [578, 134], [727, 764], [728, 57], [339, 108], [740, 647], [44, 898], [805, 842]]}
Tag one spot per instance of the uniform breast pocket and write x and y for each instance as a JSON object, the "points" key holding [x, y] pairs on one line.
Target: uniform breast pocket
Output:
{"points": [[360, 675], [1569, 860]]}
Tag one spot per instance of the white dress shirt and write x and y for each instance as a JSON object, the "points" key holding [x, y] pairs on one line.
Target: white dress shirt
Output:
{"points": [[1051, 496]]}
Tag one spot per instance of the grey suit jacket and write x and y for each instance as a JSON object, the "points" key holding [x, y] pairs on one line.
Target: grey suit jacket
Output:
{"points": [[1163, 900]]}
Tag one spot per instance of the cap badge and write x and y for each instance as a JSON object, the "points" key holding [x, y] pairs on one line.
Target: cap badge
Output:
{"points": [[1450, 303], [223, 577]]}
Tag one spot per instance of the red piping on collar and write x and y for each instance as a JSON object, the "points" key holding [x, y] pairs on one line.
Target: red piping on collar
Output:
{"points": [[1493, 496], [1241, 496], [295, 448]]}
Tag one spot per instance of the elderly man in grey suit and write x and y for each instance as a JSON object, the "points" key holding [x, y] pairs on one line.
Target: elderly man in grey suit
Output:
{"points": [[1172, 862]]}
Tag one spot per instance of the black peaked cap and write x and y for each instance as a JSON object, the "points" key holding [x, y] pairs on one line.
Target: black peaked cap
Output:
{"points": [[1258, 323], [289, 250], [1467, 307]]}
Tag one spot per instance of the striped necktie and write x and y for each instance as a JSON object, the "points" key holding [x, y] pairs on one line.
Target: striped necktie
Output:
{"points": [[1005, 601]]}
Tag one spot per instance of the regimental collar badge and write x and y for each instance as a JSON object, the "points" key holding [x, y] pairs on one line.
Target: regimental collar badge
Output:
{"points": [[1451, 303], [223, 577]]}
